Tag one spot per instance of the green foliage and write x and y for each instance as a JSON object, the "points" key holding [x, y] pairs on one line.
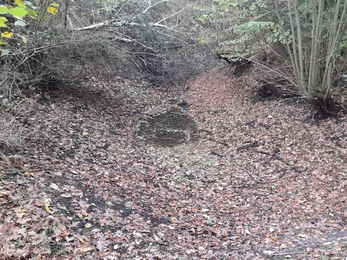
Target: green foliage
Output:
{"points": [[10, 26], [318, 36], [236, 25], [110, 5], [14, 20], [312, 31], [342, 48]]}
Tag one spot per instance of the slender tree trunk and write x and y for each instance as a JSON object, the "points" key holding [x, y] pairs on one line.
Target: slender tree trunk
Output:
{"points": [[65, 13]]}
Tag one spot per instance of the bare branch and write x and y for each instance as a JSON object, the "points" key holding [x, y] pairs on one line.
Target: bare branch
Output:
{"points": [[126, 38], [151, 6], [162, 20], [114, 23], [120, 9]]}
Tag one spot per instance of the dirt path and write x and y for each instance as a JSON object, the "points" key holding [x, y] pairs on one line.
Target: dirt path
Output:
{"points": [[262, 181]]}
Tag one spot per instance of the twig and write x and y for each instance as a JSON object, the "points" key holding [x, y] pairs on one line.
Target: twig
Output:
{"points": [[247, 146], [278, 157], [216, 153], [218, 142]]}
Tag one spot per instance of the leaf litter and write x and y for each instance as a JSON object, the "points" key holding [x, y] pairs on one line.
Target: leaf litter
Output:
{"points": [[262, 181]]}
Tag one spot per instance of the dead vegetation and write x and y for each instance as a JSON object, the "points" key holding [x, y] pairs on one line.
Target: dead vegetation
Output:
{"points": [[261, 181]]}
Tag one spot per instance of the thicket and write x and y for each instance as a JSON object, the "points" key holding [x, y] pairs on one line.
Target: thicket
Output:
{"points": [[46, 45], [301, 43]]}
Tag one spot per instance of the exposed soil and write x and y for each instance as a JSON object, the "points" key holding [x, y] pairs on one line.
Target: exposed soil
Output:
{"points": [[263, 180]]}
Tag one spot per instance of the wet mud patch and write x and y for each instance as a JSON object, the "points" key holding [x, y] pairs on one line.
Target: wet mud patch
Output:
{"points": [[167, 126]]}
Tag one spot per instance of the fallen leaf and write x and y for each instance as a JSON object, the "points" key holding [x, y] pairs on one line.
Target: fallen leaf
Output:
{"points": [[268, 252], [47, 204], [54, 186], [38, 203], [88, 225], [87, 249], [19, 212], [5, 194]]}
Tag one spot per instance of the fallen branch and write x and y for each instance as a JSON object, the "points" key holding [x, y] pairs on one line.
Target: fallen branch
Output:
{"points": [[216, 153], [131, 22], [247, 146]]}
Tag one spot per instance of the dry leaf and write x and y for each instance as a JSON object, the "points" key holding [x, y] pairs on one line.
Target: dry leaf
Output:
{"points": [[19, 212], [88, 225], [54, 186], [87, 249], [47, 204]]}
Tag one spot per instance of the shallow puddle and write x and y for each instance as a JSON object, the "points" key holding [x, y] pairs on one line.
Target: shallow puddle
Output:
{"points": [[167, 126]]}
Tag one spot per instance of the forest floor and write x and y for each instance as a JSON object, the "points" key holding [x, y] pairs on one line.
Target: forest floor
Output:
{"points": [[266, 179]]}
